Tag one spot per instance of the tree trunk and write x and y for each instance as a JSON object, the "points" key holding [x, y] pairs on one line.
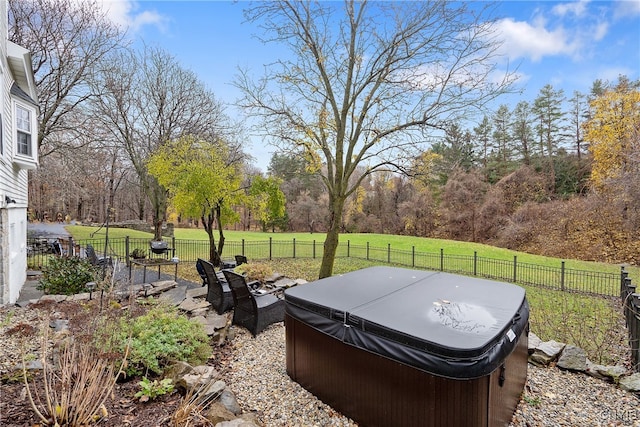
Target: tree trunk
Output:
{"points": [[332, 239], [221, 237], [207, 223]]}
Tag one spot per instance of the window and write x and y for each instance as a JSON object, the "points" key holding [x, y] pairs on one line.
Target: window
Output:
{"points": [[23, 125]]}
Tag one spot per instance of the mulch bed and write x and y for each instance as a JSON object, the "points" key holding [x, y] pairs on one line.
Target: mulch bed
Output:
{"points": [[122, 407]]}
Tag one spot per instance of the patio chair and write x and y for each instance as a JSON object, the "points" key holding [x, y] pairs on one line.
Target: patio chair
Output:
{"points": [[56, 247], [218, 292], [96, 260], [240, 259], [201, 272], [253, 309]]}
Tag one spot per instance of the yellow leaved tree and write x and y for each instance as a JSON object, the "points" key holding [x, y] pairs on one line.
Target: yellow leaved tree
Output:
{"points": [[613, 132], [201, 184]]}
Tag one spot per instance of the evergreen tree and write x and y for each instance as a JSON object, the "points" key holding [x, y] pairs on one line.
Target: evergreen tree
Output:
{"points": [[522, 130]]}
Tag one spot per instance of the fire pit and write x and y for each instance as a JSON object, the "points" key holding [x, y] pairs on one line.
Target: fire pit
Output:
{"points": [[159, 247]]}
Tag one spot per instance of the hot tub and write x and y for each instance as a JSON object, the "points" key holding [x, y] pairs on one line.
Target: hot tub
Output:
{"points": [[391, 346]]}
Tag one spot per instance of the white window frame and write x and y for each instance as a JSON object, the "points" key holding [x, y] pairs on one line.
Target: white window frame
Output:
{"points": [[28, 127], [24, 126]]}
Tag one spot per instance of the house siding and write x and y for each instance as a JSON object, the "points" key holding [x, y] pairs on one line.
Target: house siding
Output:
{"points": [[13, 175]]}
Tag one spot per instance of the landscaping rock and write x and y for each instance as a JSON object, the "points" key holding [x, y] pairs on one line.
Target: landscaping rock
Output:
{"points": [[546, 353], [593, 369], [162, 286], [273, 278], [217, 413], [85, 296], [54, 298], [177, 370], [59, 324], [174, 296], [630, 383], [190, 305], [228, 399], [533, 342], [212, 322], [197, 292], [573, 358], [284, 283]]}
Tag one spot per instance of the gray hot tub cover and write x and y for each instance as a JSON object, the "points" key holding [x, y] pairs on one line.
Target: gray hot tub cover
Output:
{"points": [[445, 324]]}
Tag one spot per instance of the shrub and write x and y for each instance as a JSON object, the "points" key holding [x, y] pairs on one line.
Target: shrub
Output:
{"points": [[67, 275], [157, 338], [149, 390], [255, 271], [138, 253]]}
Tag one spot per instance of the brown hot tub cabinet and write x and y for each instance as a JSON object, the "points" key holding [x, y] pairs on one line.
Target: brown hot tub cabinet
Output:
{"points": [[397, 347]]}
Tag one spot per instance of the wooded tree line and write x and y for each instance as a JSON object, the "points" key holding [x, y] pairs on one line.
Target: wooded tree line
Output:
{"points": [[536, 176], [533, 177]]}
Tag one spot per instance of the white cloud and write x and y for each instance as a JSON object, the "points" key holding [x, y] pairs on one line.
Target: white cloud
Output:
{"points": [[521, 39], [611, 74], [626, 8], [600, 31], [127, 14], [577, 8]]}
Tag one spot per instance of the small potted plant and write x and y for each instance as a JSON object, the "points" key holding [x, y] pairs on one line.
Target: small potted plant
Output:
{"points": [[138, 253]]}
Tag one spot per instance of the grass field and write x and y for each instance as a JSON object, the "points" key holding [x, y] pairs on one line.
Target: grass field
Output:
{"points": [[593, 323], [359, 242]]}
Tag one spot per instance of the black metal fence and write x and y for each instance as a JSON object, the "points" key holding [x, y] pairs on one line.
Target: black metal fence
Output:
{"points": [[560, 278], [631, 305]]}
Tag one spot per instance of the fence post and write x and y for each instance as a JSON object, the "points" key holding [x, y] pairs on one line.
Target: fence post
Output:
{"points": [[388, 253], [243, 248], [628, 303], [475, 263], [515, 268], [441, 259], [294, 248], [348, 248], [126, 251], [367, 251], [623, 275], [270, 248], [413, 256], [634, 331], [314, 248], [562, 276], [71, 250]]}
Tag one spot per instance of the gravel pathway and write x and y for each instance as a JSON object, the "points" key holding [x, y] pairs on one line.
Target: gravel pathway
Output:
{"points": [[257, 375]]}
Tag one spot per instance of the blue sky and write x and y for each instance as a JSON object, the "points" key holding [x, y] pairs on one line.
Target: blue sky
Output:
{"points": [[565, 44]]}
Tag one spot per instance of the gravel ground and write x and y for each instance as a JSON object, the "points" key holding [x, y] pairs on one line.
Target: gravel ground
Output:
{"points": [[552, 397], [257, 375]]}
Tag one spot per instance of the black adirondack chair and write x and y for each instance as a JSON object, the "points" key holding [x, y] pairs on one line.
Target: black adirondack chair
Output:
{"points": [[218, 291], [95, 259], [253, 309]]}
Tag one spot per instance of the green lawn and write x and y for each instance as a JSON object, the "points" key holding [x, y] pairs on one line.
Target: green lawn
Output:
{"points": [[358, 243], [589, 322]]}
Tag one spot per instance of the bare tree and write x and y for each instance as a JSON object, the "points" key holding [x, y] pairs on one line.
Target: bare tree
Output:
{"points": [[67, 39], [462, 199], [365, 82], [148, 99]]}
